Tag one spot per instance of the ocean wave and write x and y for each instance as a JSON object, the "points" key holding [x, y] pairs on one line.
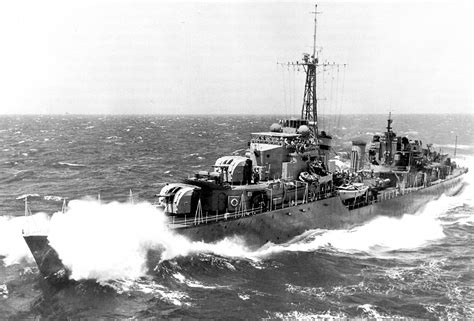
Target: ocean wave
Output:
{"points": [[23, 196], [298, 315], [53, 198], [193, 283], [370, 311], [425, 278], [131, 231], [21, 175], [66, 164], [147, 286], [243, 296]]}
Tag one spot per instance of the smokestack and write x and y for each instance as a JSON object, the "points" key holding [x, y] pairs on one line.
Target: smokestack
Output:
{"points": [[357, 155]]}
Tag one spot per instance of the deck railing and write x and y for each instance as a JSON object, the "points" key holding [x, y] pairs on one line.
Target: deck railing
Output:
{"points": [[205, 218], [395, 192], [271, 206]]}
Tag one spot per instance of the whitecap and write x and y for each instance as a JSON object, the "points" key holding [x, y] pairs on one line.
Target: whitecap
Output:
{"points": [[53, 198], [71, 164], [148, 286], [243, 296], [23, 196], [4, 291], [193, 283]]}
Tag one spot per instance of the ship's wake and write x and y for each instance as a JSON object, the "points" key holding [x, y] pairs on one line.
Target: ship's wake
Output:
{"points": [[382, 235]]}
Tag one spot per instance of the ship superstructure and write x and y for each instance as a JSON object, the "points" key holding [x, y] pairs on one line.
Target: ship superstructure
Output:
{"points": [[405, 162], [282, 166]]}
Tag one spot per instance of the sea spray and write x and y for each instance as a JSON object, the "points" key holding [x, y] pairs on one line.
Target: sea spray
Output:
{"points": [[107, 241], [110, 241], [12, 245], [377, 237]]}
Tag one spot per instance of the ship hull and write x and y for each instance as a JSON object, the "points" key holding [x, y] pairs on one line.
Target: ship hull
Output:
{"points": [[281, 225], [277, 226]]}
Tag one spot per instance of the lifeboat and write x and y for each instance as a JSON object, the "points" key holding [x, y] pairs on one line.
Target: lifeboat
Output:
{"points": [[350, 191]]}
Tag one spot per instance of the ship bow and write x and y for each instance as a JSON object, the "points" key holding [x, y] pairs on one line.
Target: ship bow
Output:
{"points": [[47, 259]]}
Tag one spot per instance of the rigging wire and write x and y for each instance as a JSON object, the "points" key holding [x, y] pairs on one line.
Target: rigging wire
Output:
{"points": [[284, 91], [336, 99], [331, 101], [323, 80], [294, 91], [290, 107], [329, 97], [342, 96]]}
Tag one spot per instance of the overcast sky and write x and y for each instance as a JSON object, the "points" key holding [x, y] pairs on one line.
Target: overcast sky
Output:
{"points": [[220, 57]]}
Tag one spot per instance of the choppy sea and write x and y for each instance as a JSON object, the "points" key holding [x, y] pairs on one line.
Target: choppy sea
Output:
{"points": [[414, 266]]}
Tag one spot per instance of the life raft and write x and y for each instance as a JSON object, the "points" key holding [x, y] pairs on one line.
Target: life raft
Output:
{"points": [[308, 178]]}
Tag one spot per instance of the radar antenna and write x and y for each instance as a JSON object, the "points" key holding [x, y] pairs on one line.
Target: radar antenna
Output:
{"points": [[310, 63]]}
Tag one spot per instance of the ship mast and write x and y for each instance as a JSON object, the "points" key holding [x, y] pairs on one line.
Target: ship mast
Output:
{"points": [[309, 110], [389, 139], [310, 63]]}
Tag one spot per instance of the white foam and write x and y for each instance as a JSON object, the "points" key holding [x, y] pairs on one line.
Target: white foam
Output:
{"points": [[192, 283], [369, 311], [148, 286], [383, 234], [12, 244], [4, 291], [297, 315], [243, 296], [109, 241]]}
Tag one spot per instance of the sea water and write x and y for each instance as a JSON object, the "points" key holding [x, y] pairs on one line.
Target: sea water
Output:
{"points": [[416, 266]]}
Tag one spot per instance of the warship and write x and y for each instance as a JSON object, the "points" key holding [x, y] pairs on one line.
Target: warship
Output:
{"points": [[286, 183]]}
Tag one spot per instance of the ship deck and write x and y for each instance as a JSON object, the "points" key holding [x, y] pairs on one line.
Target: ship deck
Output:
{"points": [[384, 195]]}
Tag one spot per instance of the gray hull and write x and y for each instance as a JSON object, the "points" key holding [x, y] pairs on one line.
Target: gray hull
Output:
{"points": [[276, 226], [281, 225]]}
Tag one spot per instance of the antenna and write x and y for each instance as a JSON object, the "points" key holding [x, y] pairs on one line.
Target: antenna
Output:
{"points": [[389, 122], [315, 26], [310, 64], [455, 146], [26, 206], [64, 207]]}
